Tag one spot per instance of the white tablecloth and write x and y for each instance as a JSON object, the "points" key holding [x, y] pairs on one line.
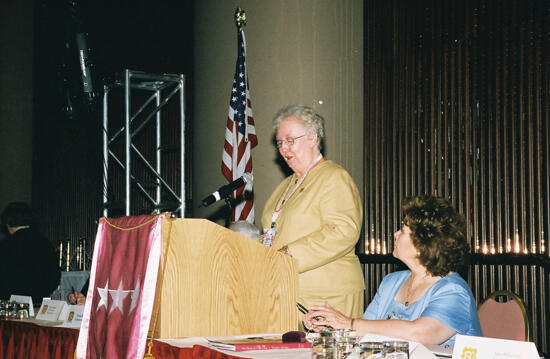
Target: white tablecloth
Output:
{"points": [[418, 350]]}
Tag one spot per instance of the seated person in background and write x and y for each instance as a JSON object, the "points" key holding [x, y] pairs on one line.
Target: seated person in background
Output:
{"points": [[246, 229], [429, 303], [28, 262]]}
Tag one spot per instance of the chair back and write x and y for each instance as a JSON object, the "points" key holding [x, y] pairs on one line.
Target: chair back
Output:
{"points": [[503, 315]]}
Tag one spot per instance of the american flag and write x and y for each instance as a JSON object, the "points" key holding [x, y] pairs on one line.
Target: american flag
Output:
{"points": [[240, 136]]}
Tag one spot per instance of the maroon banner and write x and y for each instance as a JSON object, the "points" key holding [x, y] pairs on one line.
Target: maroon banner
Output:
{"points": [[122, 288]]}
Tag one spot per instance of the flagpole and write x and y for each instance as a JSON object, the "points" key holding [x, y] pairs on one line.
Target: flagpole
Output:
{"points": [[240, 134], [240, 21]]}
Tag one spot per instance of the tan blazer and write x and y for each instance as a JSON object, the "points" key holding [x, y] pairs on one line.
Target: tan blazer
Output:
{"points": [[321, 224]]}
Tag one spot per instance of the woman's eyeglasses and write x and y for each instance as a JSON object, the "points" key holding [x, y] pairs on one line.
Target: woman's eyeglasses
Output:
{"points": [[289, 141]]}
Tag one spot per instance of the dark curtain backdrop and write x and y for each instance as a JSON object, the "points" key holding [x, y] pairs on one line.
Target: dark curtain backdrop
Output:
{"points": [[457, 101], [153, 37]]}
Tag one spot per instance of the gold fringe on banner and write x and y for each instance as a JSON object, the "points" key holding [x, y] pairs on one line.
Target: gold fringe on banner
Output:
{"points": [[131, 228]]}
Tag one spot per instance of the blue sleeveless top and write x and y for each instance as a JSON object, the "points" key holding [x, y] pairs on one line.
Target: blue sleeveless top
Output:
{"points": [[449, 300]]}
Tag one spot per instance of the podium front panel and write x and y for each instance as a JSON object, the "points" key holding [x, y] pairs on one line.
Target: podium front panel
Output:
{"points": [[218, 282]]}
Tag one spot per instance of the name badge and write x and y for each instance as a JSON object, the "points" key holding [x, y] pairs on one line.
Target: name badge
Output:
{"points": [[268, 237]]}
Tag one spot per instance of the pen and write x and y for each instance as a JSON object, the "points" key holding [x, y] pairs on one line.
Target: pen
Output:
{"points": [[301, 308], [72, 296], [304, 310]]}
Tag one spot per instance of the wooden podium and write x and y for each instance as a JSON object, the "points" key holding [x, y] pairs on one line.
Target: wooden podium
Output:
{"points": [[218, 282]]}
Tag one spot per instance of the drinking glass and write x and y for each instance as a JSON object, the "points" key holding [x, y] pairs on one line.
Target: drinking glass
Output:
{"points": [[371, 350], [346, 341], [396, 350], [323, 347]]}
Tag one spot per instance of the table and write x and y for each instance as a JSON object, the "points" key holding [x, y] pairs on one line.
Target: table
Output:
{"points": [[251, 354], [22, 340], [26, 339], [419, 352]]}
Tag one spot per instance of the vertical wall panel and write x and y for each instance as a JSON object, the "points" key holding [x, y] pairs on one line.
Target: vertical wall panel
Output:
{"points": [[457, 105]]}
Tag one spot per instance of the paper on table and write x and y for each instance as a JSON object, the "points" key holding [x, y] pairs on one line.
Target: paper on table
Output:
{"points": [[23, 299], [51, 310], [482, 347], [441, 351], [72, 316], [254, 342]]}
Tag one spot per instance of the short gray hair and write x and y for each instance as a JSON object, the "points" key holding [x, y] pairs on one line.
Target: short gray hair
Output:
{"points": [[314, 123], [246, 229]]}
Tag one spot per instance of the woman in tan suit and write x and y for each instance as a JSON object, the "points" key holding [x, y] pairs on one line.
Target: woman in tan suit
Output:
{"points": [[315, 215]]}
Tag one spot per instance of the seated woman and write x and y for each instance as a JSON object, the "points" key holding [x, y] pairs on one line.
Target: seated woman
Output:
{"points": [[429, 303]]}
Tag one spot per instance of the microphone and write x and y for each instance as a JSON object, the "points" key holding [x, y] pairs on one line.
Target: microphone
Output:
{"points": [[85, 65], [226, 190]]}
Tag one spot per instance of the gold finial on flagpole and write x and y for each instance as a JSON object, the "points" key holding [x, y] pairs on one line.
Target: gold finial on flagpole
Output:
{"points": [[240, 18]]}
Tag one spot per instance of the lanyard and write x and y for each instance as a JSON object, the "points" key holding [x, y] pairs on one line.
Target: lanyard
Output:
{"points": [[286, 195]]}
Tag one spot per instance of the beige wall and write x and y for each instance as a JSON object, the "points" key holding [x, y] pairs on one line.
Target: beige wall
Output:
{"points": [[298, 52]]}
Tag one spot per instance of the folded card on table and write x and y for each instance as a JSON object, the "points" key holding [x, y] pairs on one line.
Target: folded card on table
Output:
{"points": [[52, 310], [467, 347], [25, 299]]}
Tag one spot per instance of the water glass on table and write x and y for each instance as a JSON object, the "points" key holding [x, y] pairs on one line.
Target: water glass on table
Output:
{"points": [[371, 350], [396, 350], [323, 346], [346, 343]]}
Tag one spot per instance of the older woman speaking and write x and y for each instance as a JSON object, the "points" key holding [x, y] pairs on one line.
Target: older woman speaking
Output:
{"points": [[429, 303], [315, 215]]}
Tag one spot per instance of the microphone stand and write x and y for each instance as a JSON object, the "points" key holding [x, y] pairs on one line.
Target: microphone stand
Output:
{"points": [[227, 200]]}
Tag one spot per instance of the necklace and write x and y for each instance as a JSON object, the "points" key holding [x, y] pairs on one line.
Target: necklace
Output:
{"points": [[409, 286], [408, 293], [284, 198]]}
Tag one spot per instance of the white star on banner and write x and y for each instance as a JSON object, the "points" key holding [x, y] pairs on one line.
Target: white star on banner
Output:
{"points": [[135, 296], [103, 295], [118, 296]]}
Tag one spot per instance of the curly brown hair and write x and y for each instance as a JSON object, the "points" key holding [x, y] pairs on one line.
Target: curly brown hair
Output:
{"points": [[438, 234]]}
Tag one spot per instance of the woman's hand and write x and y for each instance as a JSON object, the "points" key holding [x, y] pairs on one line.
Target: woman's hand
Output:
{"points": [[76, 298], [325, 316]]}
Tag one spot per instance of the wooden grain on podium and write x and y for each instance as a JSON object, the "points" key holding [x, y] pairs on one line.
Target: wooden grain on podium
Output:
{"points": [[218, 282]]}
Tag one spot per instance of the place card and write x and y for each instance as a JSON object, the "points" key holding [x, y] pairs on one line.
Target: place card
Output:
{"points": [[481, 347], [51, 310], [25, 299], [72, 316]]}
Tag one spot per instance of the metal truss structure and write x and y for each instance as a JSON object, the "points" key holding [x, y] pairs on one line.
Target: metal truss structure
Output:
{"points": [[145, 98]]}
